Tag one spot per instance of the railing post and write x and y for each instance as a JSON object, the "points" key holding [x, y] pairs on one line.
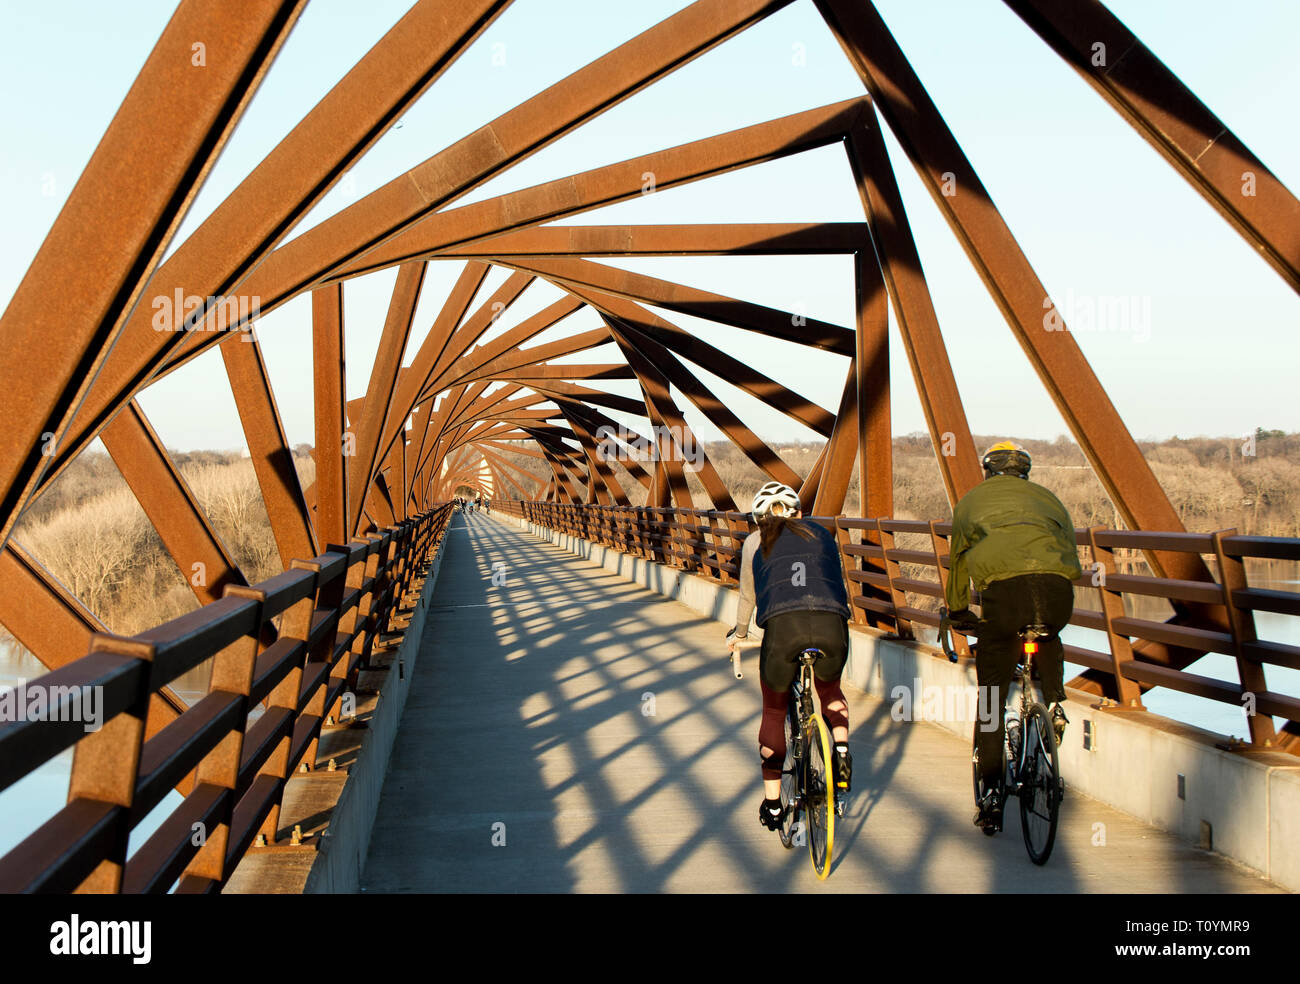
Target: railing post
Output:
{"points": [[106, 765], [716, 521], [232, 672], [844, 538], [893, 573], [1112, 608], [960, 644], [1232, 578], [296, 624]]}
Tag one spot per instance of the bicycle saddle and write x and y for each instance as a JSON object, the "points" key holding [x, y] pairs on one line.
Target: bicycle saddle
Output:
{"points": [[811, 654], [1035, 630]]}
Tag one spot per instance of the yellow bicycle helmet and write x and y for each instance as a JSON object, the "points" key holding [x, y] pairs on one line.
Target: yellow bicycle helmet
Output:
{"points": [[1006, 458]]}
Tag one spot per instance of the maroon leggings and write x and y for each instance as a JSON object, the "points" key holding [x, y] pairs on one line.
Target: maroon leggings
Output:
{"points": [[771, 733]]}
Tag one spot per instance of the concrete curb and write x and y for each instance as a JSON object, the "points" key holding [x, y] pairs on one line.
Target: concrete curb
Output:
{"points": [[344, 845], [1245, 805]]}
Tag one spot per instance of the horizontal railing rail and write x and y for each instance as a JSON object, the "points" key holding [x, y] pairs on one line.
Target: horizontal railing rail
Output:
{"points": [[883, 595], [284, 655]]}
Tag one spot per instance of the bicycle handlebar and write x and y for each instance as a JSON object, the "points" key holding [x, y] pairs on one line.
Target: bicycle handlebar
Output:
{"points": [[945, 635]]}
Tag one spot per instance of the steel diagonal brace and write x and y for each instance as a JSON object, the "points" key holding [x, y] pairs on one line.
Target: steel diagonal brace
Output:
{"points": [[245, 228], [662, 406], [383, 384], [82, 288], [1006, 272], [609, 184], [1199, 146], [706, 356], [324, 250]]}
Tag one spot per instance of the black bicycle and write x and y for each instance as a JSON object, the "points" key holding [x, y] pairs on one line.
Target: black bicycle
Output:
{"points": [[1030, 762], [807, 791]]}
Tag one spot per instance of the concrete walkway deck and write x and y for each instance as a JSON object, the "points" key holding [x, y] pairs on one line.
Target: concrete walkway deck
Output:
{"points": [[568, 731]]}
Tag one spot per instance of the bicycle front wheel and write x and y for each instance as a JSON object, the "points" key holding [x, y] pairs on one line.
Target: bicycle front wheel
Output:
{"points": [[1040, 786], [819, 795], [790, 772]]}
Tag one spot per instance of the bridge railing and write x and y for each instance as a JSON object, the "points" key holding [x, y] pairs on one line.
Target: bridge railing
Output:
{"points": [[285, 653], [896, 587]]}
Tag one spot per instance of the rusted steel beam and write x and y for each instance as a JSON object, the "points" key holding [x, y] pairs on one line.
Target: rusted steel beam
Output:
{"points": [[118, 221], [501, 461], [326, 249], [398, 479], [1012, 282], [244, 229], [329, 380], [517, 449], [840, 451], [572, 273], [474, 327], [543, 371], [550, 316], [57, 629], [875, 441], [918, 324], [701, 239], [504, 463], [383, 383], [628, 462], [505, 479], [414, 382], [714, 360], [268, 446], [605, 485], [607, 185], [170, 505], [694, 390], [591, 397], [42, 614], [1179, 126], [808, 490], [501, 402], [673, 431], [527, 359]]}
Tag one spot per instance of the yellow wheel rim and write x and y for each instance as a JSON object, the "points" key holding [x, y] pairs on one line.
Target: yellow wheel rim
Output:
{"points": [[816, 732]]}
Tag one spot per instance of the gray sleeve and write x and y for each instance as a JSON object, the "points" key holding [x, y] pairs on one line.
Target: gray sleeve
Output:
{"points": [[745, 607]]}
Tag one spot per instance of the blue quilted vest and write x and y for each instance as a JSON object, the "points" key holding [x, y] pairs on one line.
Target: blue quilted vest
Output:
{"points": [[800, 575]]}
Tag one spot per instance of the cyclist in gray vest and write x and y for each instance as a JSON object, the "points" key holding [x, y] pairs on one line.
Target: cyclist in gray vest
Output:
{"points": [[791, 570]]}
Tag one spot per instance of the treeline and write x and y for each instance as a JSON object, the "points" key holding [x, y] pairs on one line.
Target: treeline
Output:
{"points": [[1250, 484], [91, 534]]}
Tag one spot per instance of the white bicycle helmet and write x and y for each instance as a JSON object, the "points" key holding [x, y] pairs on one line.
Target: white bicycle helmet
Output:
{"points": [[774, 493]]}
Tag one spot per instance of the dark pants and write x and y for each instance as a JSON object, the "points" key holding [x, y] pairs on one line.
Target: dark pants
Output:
{"points": [[785, 637], [1008, 606]]}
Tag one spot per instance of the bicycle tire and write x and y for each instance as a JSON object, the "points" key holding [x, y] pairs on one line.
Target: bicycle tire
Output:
{"points": [[819, 796], [790, 772], [1040, 786]]}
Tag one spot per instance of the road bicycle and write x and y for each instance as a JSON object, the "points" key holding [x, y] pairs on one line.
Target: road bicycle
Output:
{"points": [[1031, 765], [807, 791]]}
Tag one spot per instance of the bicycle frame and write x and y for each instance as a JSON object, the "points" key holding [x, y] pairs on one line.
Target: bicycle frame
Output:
{"points": [[806, 726], [1030, 708]]}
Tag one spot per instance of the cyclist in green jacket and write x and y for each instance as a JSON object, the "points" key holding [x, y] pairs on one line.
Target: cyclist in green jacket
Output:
{"points": [[1015, 540]]}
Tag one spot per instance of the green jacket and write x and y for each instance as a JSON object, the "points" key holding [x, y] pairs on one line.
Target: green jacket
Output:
{"points": [[1005, 527]]}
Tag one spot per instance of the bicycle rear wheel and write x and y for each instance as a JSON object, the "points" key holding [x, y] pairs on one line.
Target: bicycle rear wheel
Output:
{"points": [[819, 795], [790, 771], [1040, 787]]}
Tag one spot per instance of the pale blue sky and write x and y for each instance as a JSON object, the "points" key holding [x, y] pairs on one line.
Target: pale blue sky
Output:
{"points": [[1095, 209]]}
